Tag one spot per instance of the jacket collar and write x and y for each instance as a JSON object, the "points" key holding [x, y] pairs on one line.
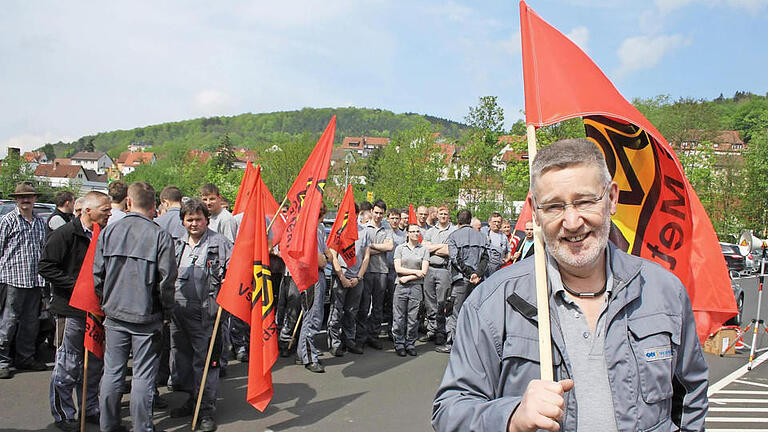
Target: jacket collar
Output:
{"points": [[625, 268]]}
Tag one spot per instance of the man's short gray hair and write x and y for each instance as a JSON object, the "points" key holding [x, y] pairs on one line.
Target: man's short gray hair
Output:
{"points": [[566, 153], [94, 199]]}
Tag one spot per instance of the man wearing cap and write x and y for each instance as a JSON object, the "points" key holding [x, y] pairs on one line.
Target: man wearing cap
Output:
{"points": [[22, 237]]}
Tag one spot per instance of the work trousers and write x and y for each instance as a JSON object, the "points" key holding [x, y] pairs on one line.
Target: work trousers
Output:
{"points": [[369, 323], [191, 330], [342, 322], [312, 322], [122, 339], [292, 301], [20, 323], [436, 285], [459, 293], [67, 376], [405, 312]]}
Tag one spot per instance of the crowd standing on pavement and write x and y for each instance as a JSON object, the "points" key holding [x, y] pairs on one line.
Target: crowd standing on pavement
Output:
{"points": [[157, 272]]}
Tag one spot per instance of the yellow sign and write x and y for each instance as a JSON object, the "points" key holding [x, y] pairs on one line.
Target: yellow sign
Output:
{"points": [[369, 196]]}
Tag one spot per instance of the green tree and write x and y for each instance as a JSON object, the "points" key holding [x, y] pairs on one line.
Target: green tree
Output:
{"points": [[754, 207], [411, 170], [13, 171], [225, 157]]}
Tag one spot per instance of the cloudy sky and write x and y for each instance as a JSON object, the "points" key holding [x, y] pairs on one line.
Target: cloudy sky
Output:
{"points": [[69, 69]]}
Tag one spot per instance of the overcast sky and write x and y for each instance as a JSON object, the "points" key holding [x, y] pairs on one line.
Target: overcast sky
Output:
{"points": [[69, 69]]}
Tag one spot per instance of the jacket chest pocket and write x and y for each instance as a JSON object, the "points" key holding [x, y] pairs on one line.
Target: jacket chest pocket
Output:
{"points": [[654, 340], [520, 363]]}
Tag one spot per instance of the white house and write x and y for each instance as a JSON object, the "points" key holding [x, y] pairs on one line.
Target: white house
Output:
{"points": [[97, 161], [71, 176]]}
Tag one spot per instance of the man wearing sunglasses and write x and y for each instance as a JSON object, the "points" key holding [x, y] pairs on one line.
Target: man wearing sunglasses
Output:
{"points": [[625, 351]]}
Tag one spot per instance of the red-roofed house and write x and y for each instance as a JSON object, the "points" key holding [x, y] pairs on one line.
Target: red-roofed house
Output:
{"points": [[71, 176], [200, 155], [35, 158], [363, 146], [128, 161]]}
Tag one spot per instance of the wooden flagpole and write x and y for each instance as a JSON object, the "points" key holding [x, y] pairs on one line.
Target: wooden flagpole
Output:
{"points": [[213, 341], [205, 369], [84, 397], [542, 292]]}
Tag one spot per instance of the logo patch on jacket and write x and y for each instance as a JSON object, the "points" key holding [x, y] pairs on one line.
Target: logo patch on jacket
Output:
{"points": [[658, 353]]}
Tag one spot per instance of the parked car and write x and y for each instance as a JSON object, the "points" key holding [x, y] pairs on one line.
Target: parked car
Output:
{"points": [[738, 294], [41, 209], [733, 258]]}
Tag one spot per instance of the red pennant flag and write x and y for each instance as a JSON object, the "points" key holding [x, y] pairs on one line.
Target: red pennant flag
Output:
{"points": [[526, 215], [412, 219], [247, 185], [344, 230], [659, 215], [247, 293], [84, 298], [298, 245]]}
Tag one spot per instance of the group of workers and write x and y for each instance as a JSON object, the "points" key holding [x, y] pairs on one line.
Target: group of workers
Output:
{"points": [[157, 272]]}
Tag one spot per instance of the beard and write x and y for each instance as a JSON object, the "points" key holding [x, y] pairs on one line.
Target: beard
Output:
{"points": [[589, 253]]}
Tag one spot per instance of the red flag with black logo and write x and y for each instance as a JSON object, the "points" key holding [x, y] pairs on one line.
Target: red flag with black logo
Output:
{"points": [[298, 245], [247, 293], [344, 230], [84, 298], [659, 215], [247, 185]]}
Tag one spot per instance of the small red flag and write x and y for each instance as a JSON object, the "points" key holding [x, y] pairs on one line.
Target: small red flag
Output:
{"points": [[298, 245], [344, 230], [412, 219], [247, 293], [519, 232], [84, 298], [247, 185], [659, 215]]}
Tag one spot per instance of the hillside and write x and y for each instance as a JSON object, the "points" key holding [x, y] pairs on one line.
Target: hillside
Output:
{"points": [[258, 130]]}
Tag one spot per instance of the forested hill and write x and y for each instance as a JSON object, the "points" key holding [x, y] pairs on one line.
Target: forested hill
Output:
{"points": [[259, 130]]}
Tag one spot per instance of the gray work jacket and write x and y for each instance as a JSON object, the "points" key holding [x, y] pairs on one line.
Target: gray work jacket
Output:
{"points": [[200, 277], [134, 270], [657, 373]]}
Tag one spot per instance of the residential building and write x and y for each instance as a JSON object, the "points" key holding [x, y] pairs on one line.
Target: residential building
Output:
{"points": [[71, 176], [35, 158], [97, 161], [128, 161], [364, 146]]}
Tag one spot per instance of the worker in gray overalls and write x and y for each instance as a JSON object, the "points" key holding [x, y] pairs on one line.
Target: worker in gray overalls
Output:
{"points": [[203, 256]]}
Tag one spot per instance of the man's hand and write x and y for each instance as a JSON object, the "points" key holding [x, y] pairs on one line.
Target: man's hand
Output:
{"points": [[474, 279], [346, 283], [516, 255], [541, 406]]}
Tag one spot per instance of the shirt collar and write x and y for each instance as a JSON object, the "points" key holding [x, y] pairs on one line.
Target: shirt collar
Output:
{"points": [[556, 282]]}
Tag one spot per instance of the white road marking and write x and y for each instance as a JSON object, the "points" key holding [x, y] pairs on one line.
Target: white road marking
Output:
{"points": [[754, 401], [729, 409], [736, 420], [751, 383], [735, 375], [744, 392]]}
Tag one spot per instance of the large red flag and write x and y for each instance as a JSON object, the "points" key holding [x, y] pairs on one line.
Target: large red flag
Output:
{"points": [[247, 294], [344, 230], [84, 298], [298, 245], [659, 215], [247, 185]]}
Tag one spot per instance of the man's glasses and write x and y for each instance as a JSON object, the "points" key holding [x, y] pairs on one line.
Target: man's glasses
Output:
{"points": [[584, 205]]}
